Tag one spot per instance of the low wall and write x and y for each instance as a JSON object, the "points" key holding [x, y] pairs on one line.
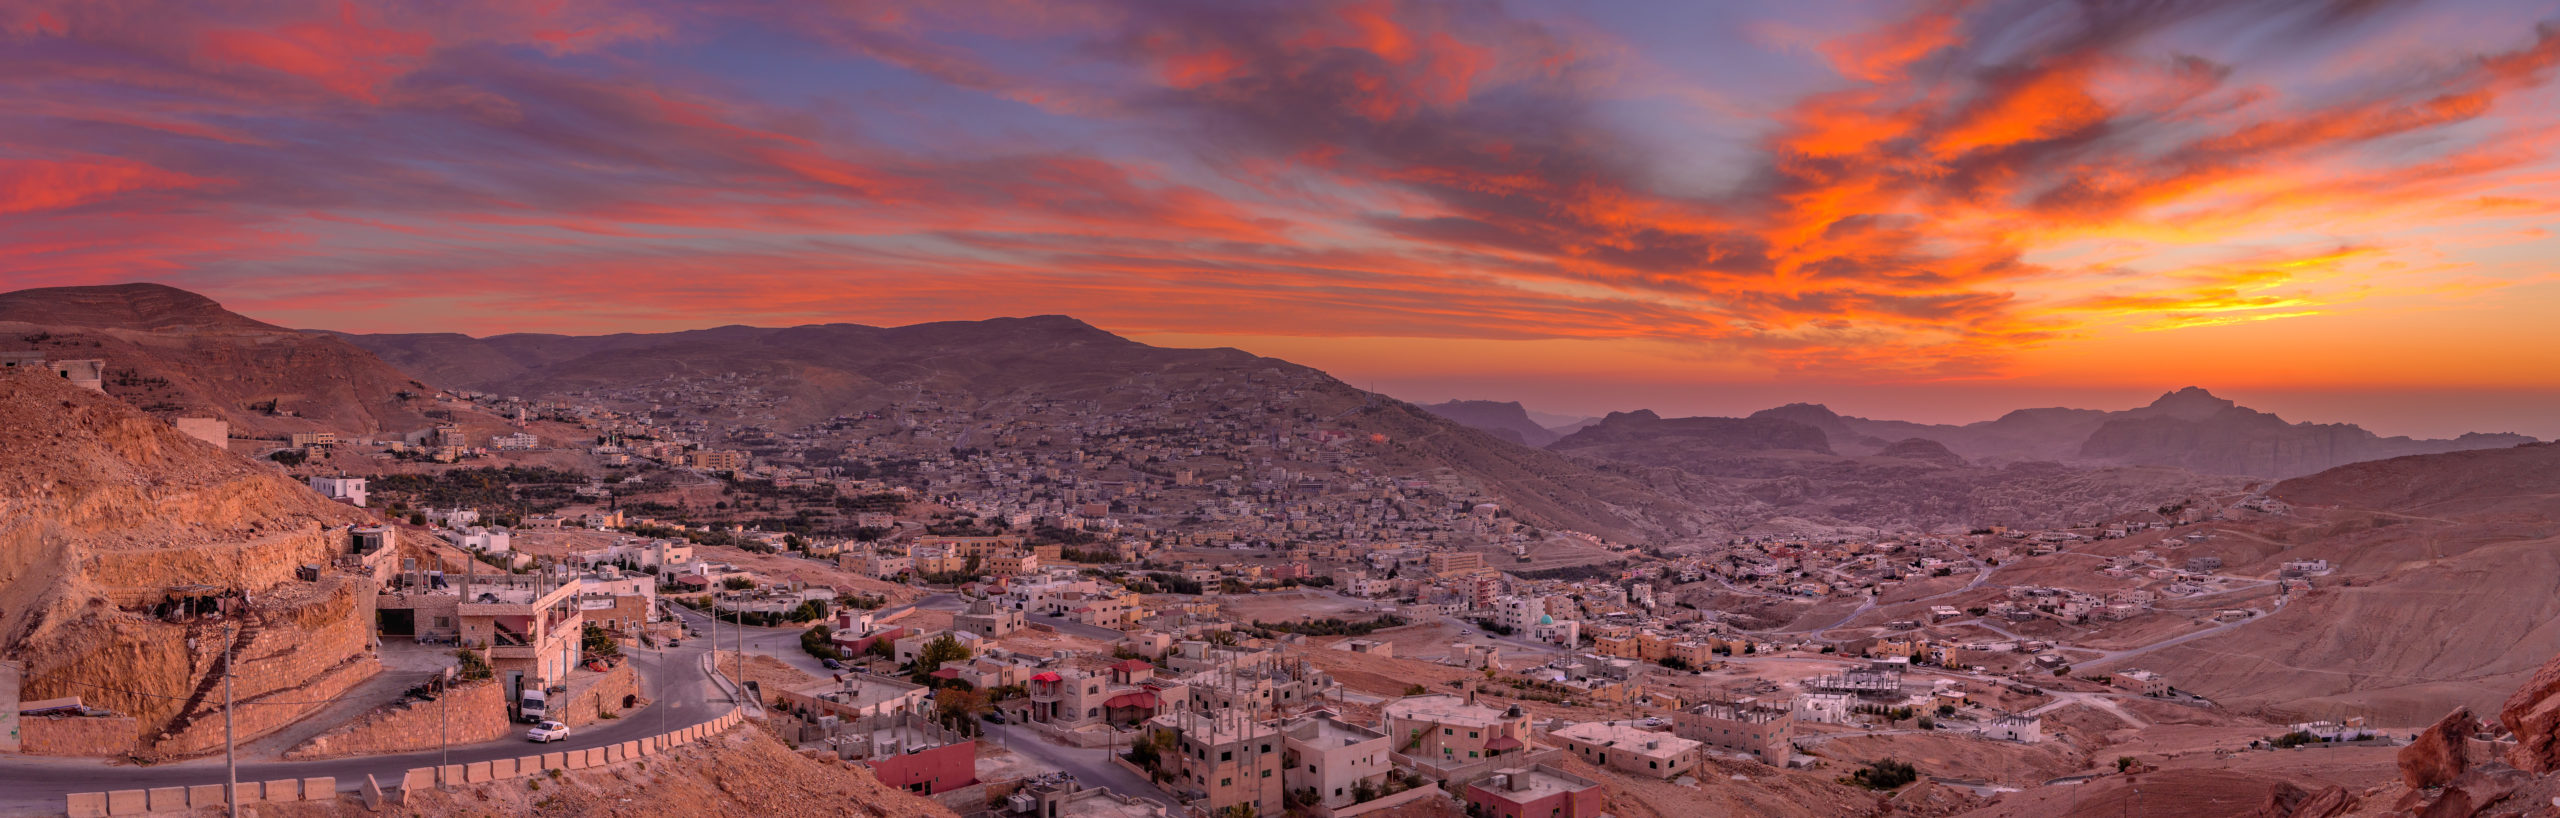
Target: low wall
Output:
{"points": [[468, 714], [76, 735], [173, 799], [1376, 804]]}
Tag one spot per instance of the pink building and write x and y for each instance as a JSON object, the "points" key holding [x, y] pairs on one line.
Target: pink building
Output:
{"points": [[1534, 792], [930, 772]]}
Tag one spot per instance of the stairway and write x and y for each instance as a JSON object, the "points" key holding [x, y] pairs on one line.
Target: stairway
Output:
{"points": [[195, 707]]}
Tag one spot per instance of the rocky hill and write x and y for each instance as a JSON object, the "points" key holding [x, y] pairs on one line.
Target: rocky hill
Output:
{"points": [[1010, 367], [173, 353], [108, 514], [1503, 419]]}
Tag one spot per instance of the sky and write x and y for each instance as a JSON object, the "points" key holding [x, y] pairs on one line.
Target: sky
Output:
{"points": [[2339, 210]]}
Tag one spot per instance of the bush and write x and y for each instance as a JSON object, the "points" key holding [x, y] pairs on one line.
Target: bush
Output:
{"points": [[1885, 774], [819, 642], [2296, 738]]}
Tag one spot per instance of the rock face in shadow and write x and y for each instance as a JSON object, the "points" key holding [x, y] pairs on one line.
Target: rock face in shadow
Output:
{"points": [[2439, 755], [2533, 715], [2291, 801], [1503, 419]]}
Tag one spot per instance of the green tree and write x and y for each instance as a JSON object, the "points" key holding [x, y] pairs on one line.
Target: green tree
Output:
{"points": [[596, 641], [944, 648]]}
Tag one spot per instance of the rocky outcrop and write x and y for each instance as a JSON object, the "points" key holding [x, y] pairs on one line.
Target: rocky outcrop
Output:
{"points": [[2532, 713], [2439, 753], [106, 514], [2290, 801], [1503, 419]]}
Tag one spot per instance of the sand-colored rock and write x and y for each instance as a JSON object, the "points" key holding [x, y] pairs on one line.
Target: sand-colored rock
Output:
{"points": [[104, 510], [2533, 715], [2440, 753], [2289, 800]]}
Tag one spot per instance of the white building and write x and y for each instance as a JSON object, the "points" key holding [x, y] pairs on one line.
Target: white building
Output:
{"points": [[476, 538], [349, 490], [2017, 728]]}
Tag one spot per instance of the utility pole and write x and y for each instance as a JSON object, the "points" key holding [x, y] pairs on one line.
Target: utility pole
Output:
{"points": [[444, 722], [230, 759]]}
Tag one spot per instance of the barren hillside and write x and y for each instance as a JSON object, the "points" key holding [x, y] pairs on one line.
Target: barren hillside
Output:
{"points": [[2446, 590], [106, 512], [173, 352]]}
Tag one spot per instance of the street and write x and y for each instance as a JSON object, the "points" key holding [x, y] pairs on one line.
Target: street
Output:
{"points": [[679, 696]]}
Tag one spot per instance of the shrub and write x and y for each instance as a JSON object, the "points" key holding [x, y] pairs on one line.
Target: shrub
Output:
{"points": [[1885, 774]]}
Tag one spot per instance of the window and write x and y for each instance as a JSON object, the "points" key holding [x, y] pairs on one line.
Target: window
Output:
{"points": [[1472, 734], [1266, 773], [1227, 755], [1448, 731], [1471, 753], [1226, 782]]}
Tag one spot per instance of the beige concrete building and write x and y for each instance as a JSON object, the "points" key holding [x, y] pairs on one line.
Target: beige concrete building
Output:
{"points": [[1446, 728], [1623, 746], [1333, 758]]}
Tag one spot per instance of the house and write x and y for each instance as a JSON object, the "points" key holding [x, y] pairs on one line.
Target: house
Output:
{"points": [[1826, 708], [348, 490], [2140, 681], [1222, 762], [2017, 728], [1541, 791], [985, 619], [1624, 746], [1446, 728], [1332, 757], [1745, 727]]}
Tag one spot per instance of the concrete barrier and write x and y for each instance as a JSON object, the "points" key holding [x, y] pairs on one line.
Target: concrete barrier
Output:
{"points": [[168, 799], [323, 788], [580, 759], [201, 796], [502, 769], [418, 779], [283, 789], [554, 761], [630, 750], [476, 772], [128, 802], [86, 804], [449, 774]]}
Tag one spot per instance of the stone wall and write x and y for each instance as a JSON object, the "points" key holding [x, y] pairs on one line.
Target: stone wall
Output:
{"points": [[76, 735], [468, 714], [604, 696]]}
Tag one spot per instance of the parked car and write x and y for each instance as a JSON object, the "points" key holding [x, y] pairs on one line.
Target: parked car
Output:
{"points": [[995, 717], [831, 664], [547, 732]]}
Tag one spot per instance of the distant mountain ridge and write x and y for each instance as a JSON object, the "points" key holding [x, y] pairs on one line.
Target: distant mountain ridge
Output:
{"points": [[1503, 419], [2188, 428]]}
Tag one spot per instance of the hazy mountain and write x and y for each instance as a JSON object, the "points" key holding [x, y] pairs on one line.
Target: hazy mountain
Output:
{"points": [[173, 352], [2192, 429], [1774, 475], [1011, 365], [1503, 419]]}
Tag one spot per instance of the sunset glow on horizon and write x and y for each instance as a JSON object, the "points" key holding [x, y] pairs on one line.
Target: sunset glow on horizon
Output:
{"points": [[1574, 205]]}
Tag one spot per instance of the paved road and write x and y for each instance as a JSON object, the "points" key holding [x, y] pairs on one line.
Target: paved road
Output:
{"points": [[1091, 767], [673, 680]]}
